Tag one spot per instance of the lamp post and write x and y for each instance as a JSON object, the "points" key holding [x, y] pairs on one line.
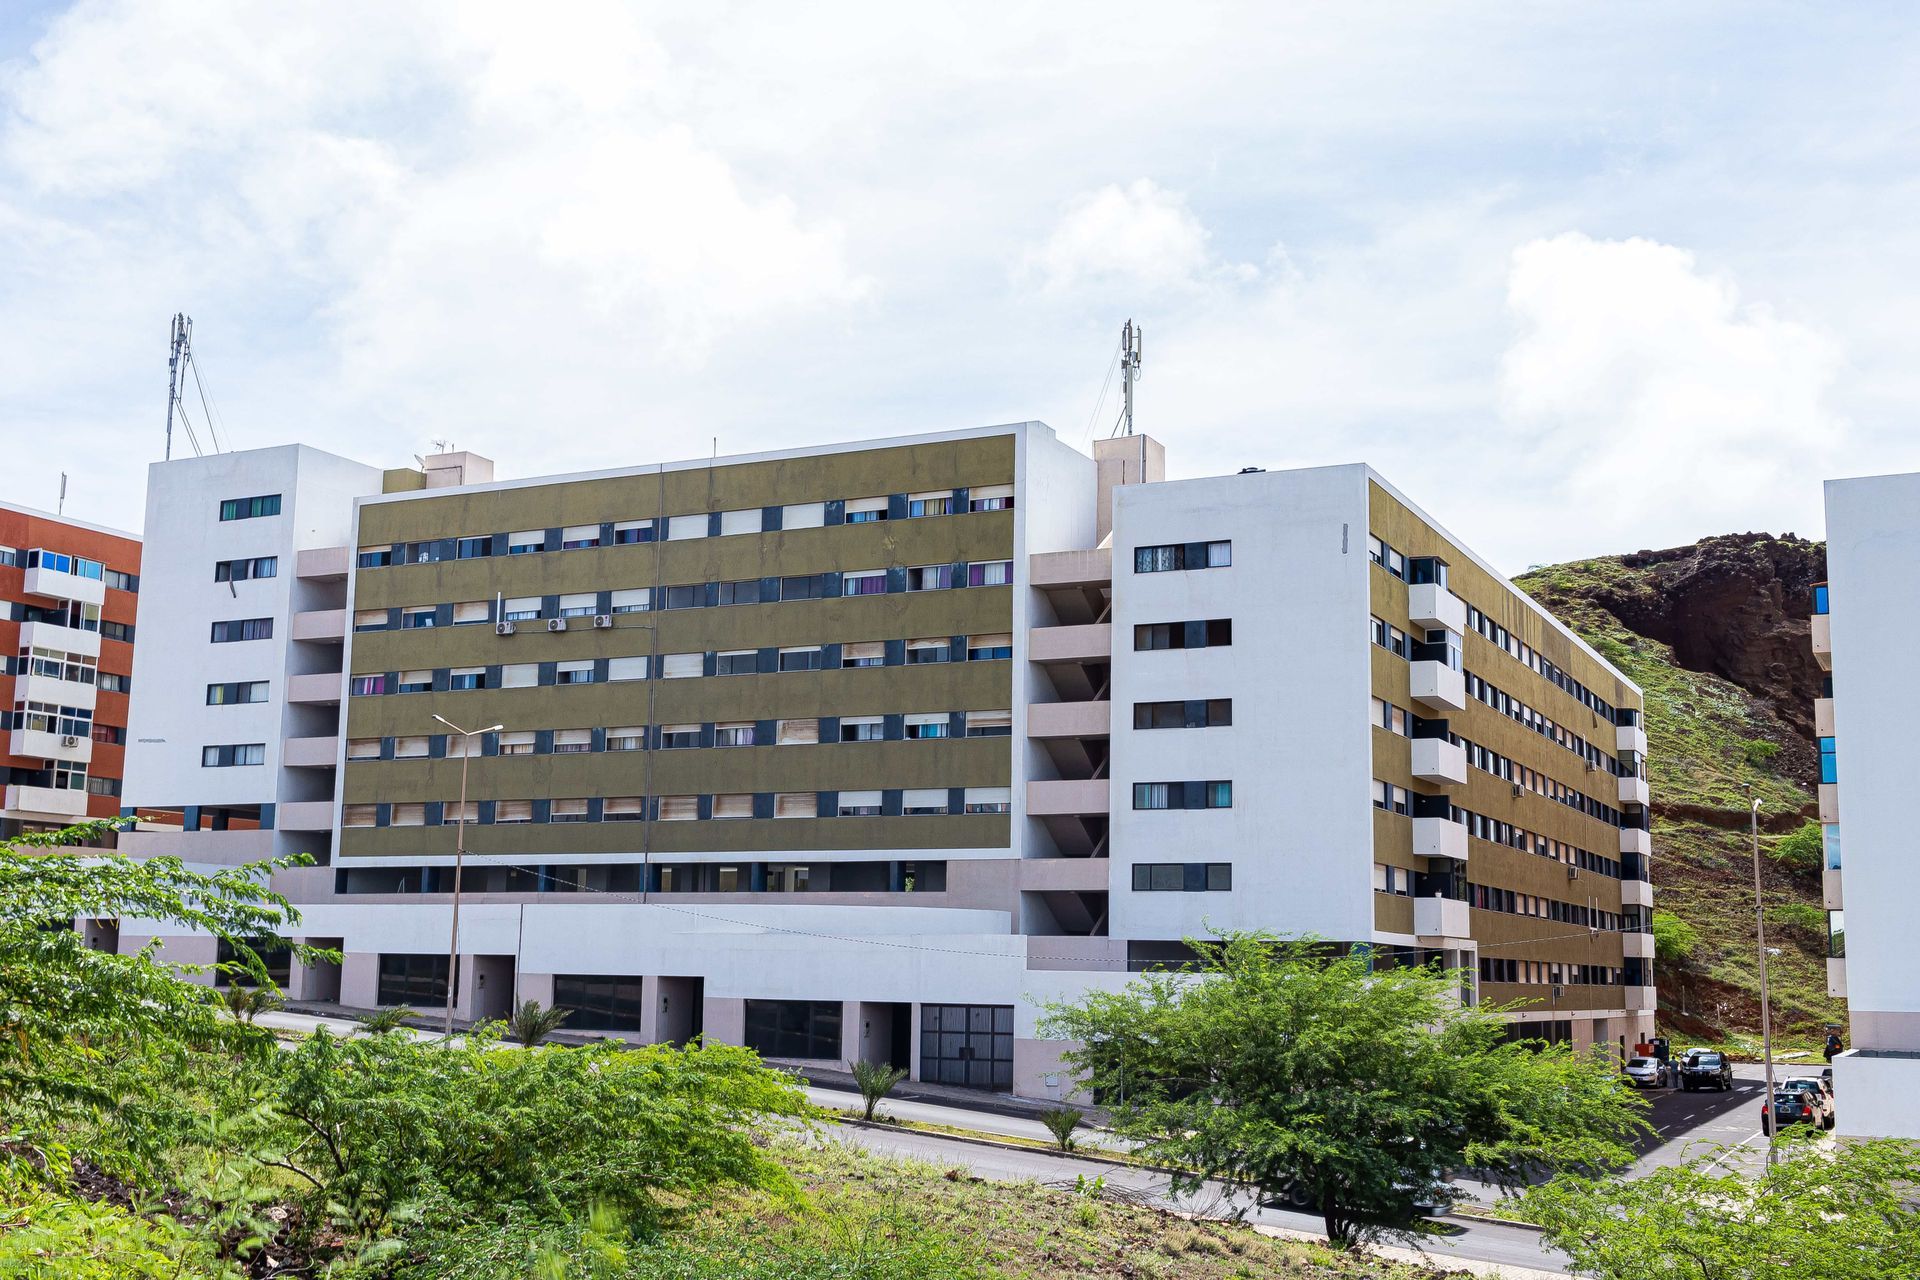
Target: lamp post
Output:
{"points": [[1766, 1016], [459, 860]]}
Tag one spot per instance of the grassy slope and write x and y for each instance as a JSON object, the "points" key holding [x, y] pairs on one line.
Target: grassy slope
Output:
{"points": [[1700, 731]]}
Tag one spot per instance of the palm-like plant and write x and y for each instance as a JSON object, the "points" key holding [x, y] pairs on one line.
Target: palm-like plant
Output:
{"points": [[248, 1003], [381, 1021], [875, 1080], [532, 1022], [1061, 1122]]}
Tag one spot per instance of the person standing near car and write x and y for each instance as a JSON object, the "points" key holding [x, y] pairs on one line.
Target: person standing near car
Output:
{"points": [[1833, 1046]]}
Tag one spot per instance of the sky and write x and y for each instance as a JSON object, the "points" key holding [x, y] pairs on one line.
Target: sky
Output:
{"points": [[1579, 278]]}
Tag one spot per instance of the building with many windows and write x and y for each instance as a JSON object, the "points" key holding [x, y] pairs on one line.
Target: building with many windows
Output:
{"points": [[864, 750], [67, 598], [1863, 620]]}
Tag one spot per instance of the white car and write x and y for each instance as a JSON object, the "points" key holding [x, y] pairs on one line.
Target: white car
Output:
{"points": [[1647, 1073]]}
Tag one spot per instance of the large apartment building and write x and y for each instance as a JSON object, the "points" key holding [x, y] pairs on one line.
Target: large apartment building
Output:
{"points": [[67, 598], [1863, 623], [864, 750]]}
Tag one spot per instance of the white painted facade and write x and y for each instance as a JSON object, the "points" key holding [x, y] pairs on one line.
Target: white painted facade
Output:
{"points": [[1873, 526]]}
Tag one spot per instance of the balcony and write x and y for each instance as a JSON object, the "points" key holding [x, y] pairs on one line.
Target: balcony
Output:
{"points": [[1636, 840], [322, 564], [310, 753], [34, 744], [1431, 605], [1823, 641], [304, 815], [1642, 999], [1089, 642], [58, 584], [328, 626], [1630, 737], [1064, 875], [59, 693], [55, 802], [49, 635], [1436, 919], [319, 688], [222, 848], [1636, 945], [1090, 568], [1439, 838], [1440, 762], [1436, 685], [1829, 802], [1063, 797], [1837, 977], [1823, 718], [1633, 792], [1069, 719], [1636, 893]]}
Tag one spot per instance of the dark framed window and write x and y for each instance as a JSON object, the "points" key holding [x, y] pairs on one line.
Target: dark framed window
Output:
{"points": [[243, 629], [233, 755], [812, 586], [597, 1002], [1202, 634], [737, 664], [473, 548], [374, 557], [274, 953], [267, 504], [117, 631], [416, 980], [1182, 877], [1174, 556], [1183, 795], [801, 659], [243, 570], [794, 1028], [232, 693], [967, 1044], [1194, 713], [683, 597], [746, 591]]}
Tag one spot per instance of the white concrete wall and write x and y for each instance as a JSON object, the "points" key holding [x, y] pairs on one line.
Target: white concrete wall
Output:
{"points": [[1300, 832], [1878, 1097]]}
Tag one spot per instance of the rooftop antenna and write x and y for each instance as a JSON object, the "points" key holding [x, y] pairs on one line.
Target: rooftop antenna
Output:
{"points": [[182, 351], [440, 446], [1129, 369], [62, 508]]}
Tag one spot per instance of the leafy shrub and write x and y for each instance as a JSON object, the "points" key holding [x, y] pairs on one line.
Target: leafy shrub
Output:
{"points": [[1674, 940], [533, 1022], [46, 1234], [1802, 850], [1801, 916], [248, 1003], [1758, 752], [875, 1080], [381, 1021], [1061, 1122]]}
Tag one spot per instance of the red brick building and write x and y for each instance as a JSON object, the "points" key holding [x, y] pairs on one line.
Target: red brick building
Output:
{"points": [[68, 594]]}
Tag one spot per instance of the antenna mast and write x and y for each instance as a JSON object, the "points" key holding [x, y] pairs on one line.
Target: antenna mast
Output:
{"points": [[182, 351], [1129, 368]]}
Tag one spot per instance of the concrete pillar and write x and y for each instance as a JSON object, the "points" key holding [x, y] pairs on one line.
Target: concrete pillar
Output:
{"points": [[360, 980], [725, 1020], [1135, 459], [535, 986]]}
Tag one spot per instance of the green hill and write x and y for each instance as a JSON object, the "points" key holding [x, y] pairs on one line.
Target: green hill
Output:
{"points": [[1716, 636]]}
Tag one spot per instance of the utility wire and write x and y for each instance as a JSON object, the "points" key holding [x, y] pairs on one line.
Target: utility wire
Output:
{"points": [[212, 410], [1112, 364], [194, 440]]}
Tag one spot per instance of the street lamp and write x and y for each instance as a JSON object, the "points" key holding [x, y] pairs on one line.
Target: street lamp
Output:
{"points": [[459, 858], [1766, 1016]]}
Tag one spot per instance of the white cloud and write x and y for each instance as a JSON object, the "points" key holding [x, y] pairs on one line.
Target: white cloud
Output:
{"points": [[1140, 236]]}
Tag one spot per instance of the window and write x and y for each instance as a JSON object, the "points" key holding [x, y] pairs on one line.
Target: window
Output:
{"points": [[745, 591], [468, 612], [250, 508], [745, 521], [576, 536], [370, 620], [622, 809], [407, 815], [375, 557], [989, 724], [990, 573], [865, 510], [595, 1003], [243, 629], [567, 811], [358, 815], [679, 735], [631, 738], [930, 577], [808, 659], [508, 812], [416, 682], [862, 728], [793, 1028], [679, 808], [734, 734], [114, 631], [424, 553], [131, 581], [736, 662], [796, 804], [517, 742], [859, 804], [1829, 766], [414, 619], [102, 786], [631, 600], [803, 515], [111, 682], [473, 548], [735, 805], [520, 608], [1183, 795], [519, 675], [684, 528], [937, 649], [464, 744], [243, 570], [626, 669], [989, 799], [576, 672], [1173, 556], [919, 801], [812, 586], [567, 742], [864, 653], [681, 666], [363, 748], [222, 695], [930, 504], [236, 754], [630, 531], [991, 497], [419, 980], [1391, 798], [984, 648], [687, 596], [864, 582], [526, 541], [1183, 635], [1391, 718], [796, 733], [411, 748], [366, 686], [1199, 713], [927, 725], [1183, 877], [579, 604]]}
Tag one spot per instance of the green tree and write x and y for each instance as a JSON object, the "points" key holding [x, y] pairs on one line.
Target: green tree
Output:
{"points": [[1844, 1214], [1801, 850], [1674, 940], [1273, 1061]]}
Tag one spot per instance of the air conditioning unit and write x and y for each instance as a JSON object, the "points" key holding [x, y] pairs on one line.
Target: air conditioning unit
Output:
{"points": [[556, 624], [70, 740], [1573, 872], [602, 619], [504, 628], [1518, 790]]}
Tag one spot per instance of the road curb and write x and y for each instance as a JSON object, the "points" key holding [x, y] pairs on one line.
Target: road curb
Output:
{"points": [[1079, 1153]]}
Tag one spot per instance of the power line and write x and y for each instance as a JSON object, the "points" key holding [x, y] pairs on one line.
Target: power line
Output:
{"points": [[1113, 363], [212, 409]]}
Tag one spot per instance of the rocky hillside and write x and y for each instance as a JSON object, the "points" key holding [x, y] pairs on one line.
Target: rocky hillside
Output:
{"points": [[1716, 634]]}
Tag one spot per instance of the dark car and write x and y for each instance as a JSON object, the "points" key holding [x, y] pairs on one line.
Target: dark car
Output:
{"points": [[1792, 1106], [1705, 1070]]}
